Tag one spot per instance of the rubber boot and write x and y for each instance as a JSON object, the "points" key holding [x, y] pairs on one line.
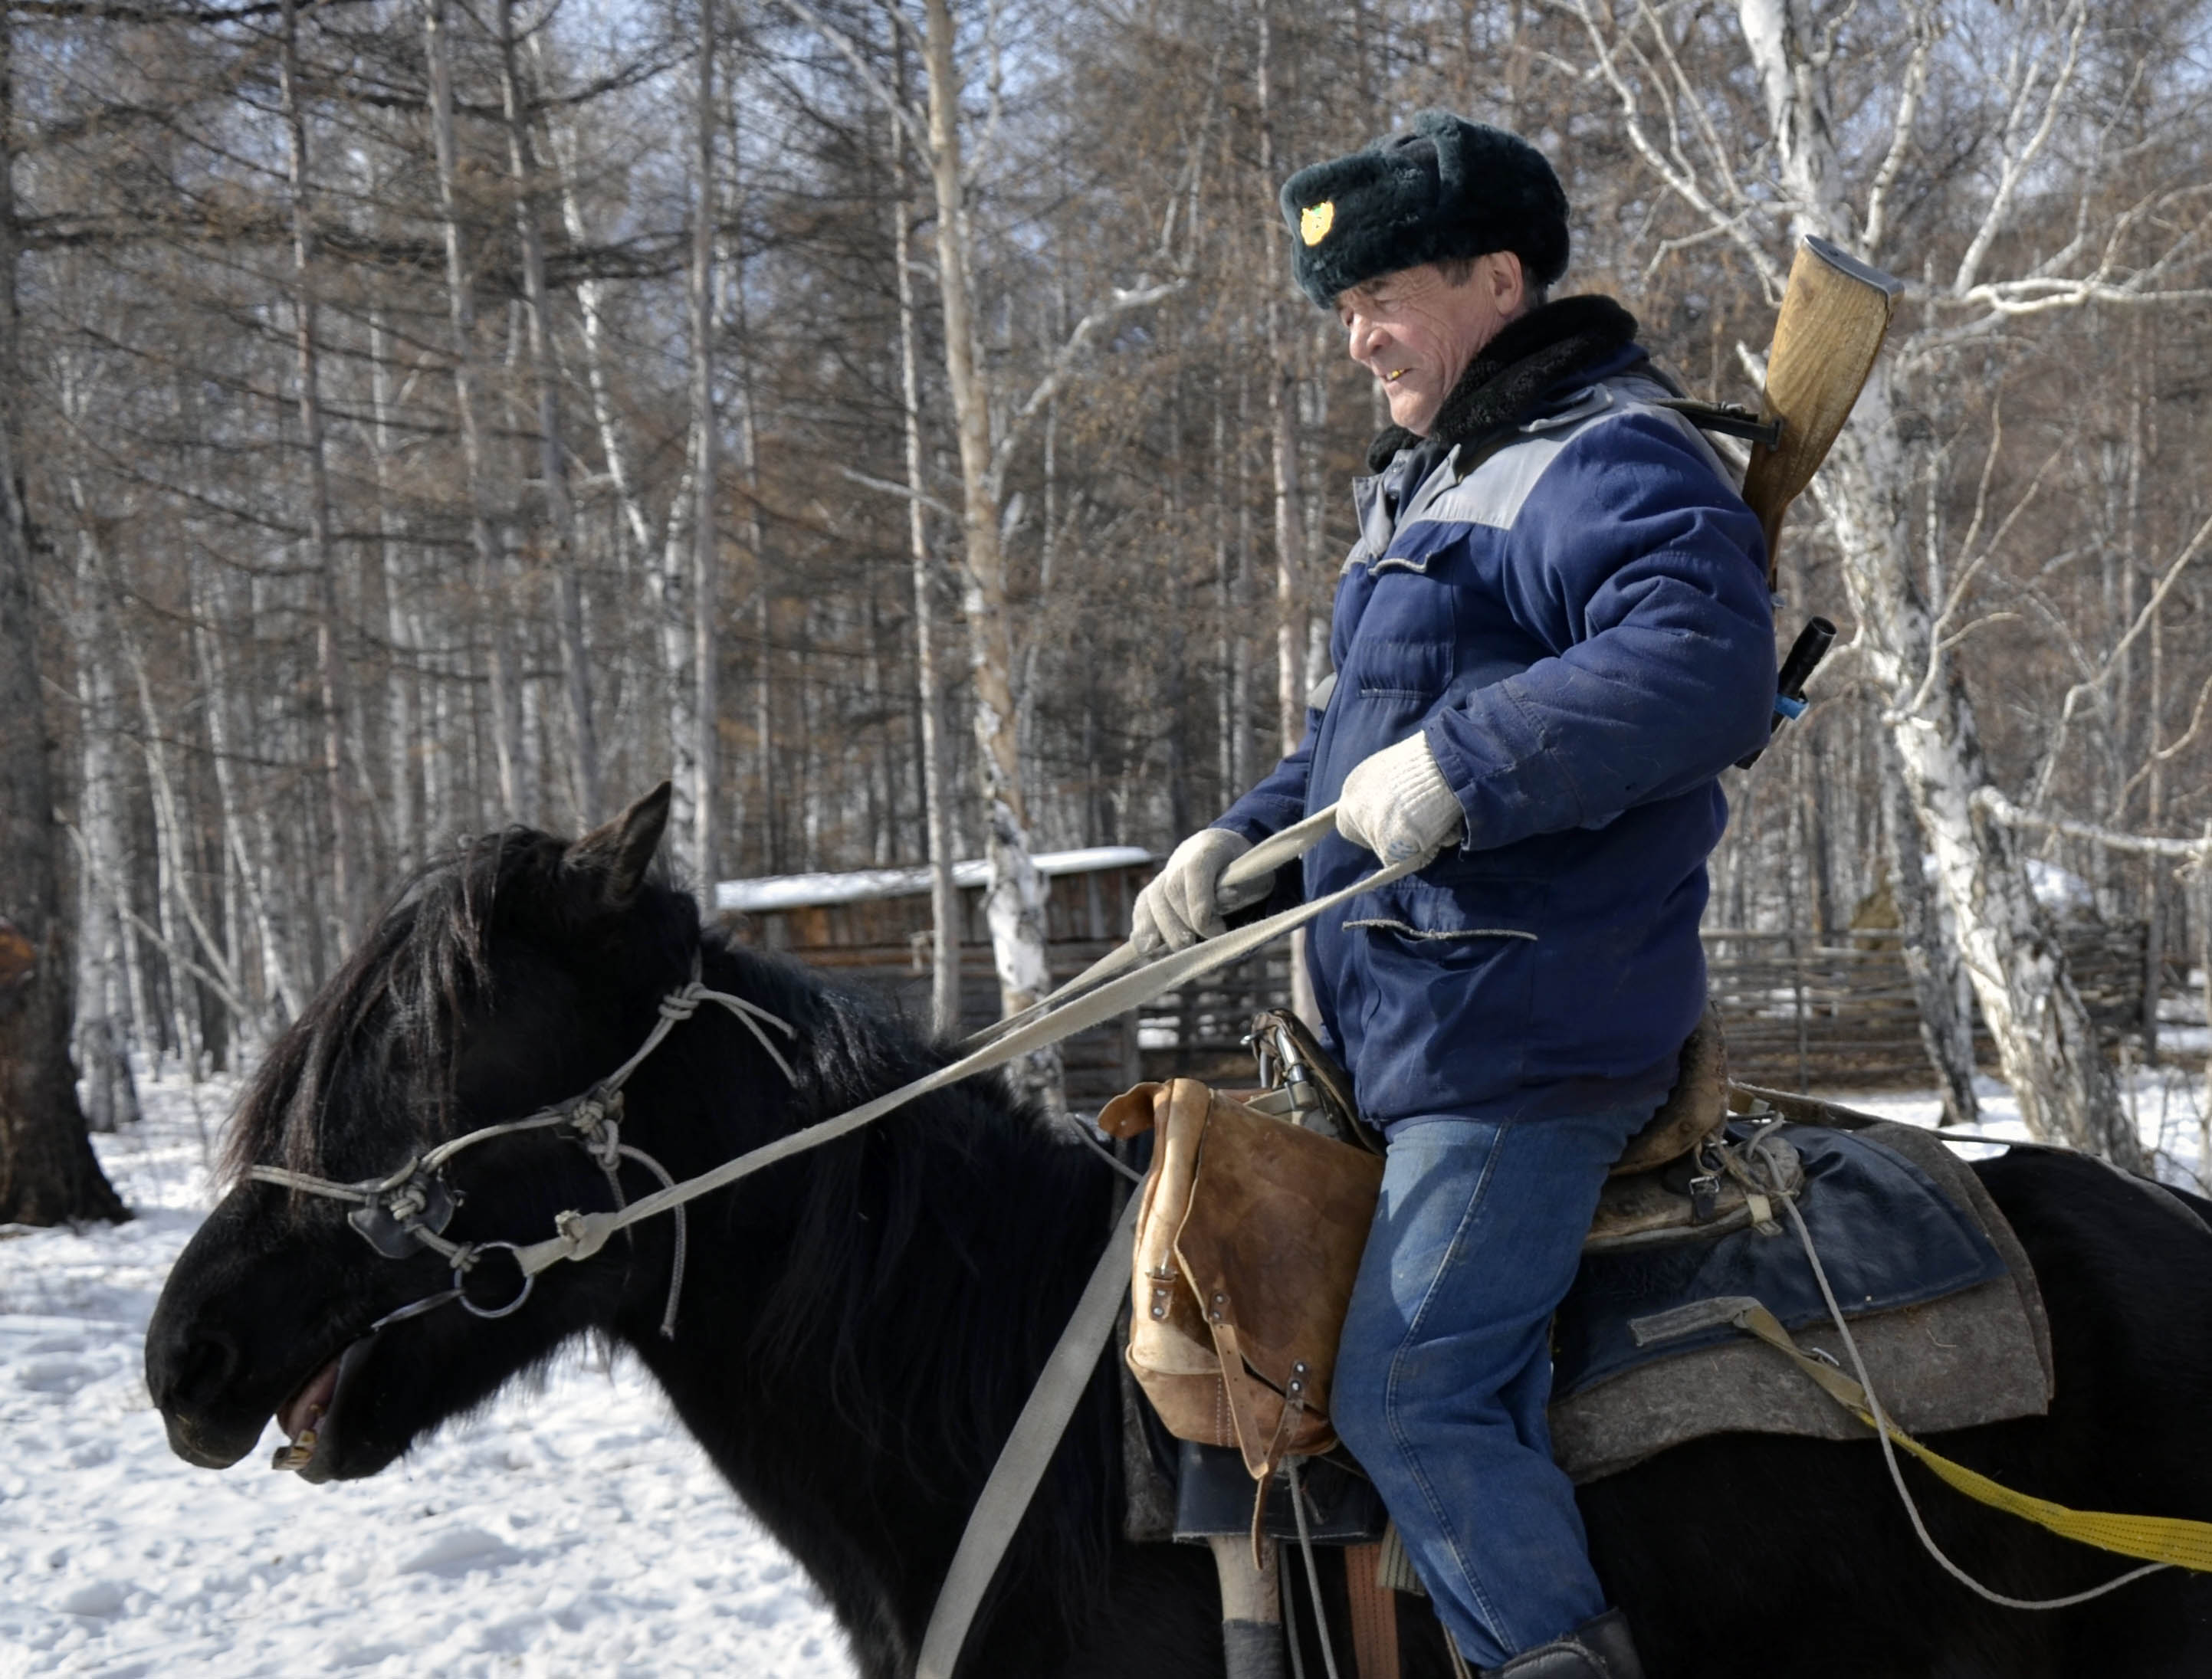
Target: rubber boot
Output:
{"points": [[1599, 1649]]}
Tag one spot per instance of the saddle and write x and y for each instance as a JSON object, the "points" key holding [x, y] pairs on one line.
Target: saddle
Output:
{"points": [[1254, 1216]]}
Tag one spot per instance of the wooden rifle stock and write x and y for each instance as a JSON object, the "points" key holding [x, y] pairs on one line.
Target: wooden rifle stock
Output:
{"points": [[1835, 313]]}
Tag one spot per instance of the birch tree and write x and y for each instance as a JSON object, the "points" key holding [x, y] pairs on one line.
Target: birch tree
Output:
{"points": [[350, 885], [705, 580], [1014, 902], [945, 915], [1907, 640], [552, 447], [486, 546], [1282, 375]]}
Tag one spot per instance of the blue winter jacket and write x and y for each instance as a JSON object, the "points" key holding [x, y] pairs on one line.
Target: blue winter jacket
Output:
{"points": [[1580, 626]]}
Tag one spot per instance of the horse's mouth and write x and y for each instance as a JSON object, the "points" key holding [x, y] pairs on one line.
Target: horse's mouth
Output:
{"points": [[307, 1417]]}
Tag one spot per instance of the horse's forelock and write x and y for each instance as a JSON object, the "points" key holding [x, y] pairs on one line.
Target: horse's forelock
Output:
{"points": [[387, 1013]]}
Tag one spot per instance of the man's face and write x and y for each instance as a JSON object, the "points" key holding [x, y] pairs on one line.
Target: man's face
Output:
{"points": [[1416, 332]]}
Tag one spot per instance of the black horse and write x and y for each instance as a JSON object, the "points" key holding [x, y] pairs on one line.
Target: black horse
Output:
{"points": [[860, 1325]]}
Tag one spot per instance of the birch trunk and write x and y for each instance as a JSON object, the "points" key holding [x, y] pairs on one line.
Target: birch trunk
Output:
{"points": [[1242, 747], [945, 916], [349, 884], [103, 1018], [1283, 452], [245, 836], [1940, 987], [1226, 628], [400, 676], [1014, 906], [668, 577], [2045, 1041], [705, 584], [484, 542], [552, 449], [734, 320], [591, 296], [48, 1172]]}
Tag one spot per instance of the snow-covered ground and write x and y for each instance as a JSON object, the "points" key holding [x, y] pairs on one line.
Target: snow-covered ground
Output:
{"points": [[575, 1531], [2167, 1102]]}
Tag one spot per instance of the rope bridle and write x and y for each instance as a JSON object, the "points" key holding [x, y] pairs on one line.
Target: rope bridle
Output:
{"points": [[408, 1210]]}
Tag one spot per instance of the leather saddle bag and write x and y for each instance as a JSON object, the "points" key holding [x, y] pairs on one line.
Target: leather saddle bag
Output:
{"points": [[1248, 1238], [1251, 1228]]}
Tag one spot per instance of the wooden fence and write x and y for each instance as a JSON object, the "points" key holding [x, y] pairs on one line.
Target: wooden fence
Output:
{"points": [[1801, 1012], [1806, 1014], [884, 939]]}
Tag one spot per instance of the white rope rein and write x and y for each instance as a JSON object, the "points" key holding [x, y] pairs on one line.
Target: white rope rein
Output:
{"points": [[578, 1235], [1897, 1473], [1779, 1185]]}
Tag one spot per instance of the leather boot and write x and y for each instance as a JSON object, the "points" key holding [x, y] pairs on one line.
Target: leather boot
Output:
{"points": [[1599, 1649]]}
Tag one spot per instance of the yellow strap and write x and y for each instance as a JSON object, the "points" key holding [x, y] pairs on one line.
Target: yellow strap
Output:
{"points": [[2169, 1539]]}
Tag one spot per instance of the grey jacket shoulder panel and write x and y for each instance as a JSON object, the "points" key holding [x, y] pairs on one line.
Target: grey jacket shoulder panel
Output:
{"points": [[1494, 493]]}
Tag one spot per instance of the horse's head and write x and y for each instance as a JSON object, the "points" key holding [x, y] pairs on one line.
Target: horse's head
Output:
{"points": [[509, 977]]}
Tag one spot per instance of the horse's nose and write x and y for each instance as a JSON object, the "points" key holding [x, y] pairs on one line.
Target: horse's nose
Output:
{"points": [[188, 1371], [189, 1366]]}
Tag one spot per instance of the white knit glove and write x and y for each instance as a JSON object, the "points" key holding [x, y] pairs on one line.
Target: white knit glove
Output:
{"points": [[1184, 902], [1397, 804]]}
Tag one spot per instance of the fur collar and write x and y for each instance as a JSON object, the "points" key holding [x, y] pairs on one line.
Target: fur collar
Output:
{"points": [[1527, 358]]}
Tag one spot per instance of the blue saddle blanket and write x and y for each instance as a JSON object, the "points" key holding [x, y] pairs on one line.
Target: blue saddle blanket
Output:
{"points": [[1888, 1236]]}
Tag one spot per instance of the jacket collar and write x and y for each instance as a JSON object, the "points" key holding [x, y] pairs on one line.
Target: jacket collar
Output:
{"points": [[1512, 373]]}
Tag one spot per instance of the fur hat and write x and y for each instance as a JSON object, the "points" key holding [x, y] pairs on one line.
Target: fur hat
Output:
{"points": [[1447, 189]]}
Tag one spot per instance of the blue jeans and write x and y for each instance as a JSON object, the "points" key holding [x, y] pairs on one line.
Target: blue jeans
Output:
{"points": [[1446, 1368]]}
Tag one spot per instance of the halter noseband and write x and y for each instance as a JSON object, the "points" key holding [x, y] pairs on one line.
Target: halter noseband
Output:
{"points": [[408, 1209]]}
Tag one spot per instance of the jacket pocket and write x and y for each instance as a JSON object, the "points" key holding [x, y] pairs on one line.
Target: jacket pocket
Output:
{"points": [[1471, 906], [1445, 978], [1382, 667]]}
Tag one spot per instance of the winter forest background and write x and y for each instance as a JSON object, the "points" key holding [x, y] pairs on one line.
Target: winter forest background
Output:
{"points": [[427, 415]]}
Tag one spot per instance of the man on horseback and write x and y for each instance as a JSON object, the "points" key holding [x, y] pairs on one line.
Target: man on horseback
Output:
{"points": [[1552, 635]]}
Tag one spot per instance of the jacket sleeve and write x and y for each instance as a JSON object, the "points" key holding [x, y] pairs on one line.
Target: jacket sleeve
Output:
{"points": [[1637, 561], [1278, 801]]}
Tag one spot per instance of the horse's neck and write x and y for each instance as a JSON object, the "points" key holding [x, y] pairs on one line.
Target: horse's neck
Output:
{"points": [[860, 1439]]}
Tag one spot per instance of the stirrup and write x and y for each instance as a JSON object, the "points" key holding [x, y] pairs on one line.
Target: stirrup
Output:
{"points": [[1599, 1649]]}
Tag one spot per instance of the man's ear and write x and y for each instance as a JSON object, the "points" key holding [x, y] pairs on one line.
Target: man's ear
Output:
{"points": [[620, 853], [1509, 283]]}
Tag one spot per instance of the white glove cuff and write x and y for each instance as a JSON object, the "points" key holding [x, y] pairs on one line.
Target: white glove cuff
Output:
{"points": [[1397, 804], [1419, 789]]}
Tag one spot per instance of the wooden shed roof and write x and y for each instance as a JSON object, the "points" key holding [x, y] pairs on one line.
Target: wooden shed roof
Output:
{"points": [[853, 886]]}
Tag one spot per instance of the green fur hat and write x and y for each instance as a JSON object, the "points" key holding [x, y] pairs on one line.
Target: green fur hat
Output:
{"points": [[1447, 189]]}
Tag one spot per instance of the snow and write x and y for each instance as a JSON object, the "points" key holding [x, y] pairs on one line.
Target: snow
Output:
{"points": [[2167, 1102], [2061, 891], [852, 886], [572, 1529]]}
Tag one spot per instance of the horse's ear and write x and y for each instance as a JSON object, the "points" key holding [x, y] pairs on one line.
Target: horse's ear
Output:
{"points": [[619, 852]]}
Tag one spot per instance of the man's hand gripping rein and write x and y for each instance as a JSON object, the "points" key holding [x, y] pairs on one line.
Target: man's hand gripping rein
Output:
{"points": [[1181, 906], [1398, 805], [1395, 803]]}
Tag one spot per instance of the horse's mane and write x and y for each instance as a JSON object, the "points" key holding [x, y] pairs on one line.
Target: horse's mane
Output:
{"points": [[921, 1251]]}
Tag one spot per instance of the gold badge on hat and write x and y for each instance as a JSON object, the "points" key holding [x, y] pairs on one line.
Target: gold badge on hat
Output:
{"points": [[1315, 221]]}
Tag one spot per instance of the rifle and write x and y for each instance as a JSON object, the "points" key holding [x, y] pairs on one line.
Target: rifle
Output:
{"points": [[1835, 312]]}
